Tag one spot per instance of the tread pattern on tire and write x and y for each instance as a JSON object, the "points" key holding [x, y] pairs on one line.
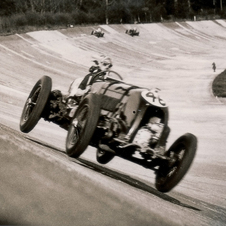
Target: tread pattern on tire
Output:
{"points": [[76, 150], [45, 83], [190, 141]]}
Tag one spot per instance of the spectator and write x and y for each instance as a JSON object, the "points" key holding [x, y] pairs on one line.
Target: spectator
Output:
{"points": [[214, 66]]}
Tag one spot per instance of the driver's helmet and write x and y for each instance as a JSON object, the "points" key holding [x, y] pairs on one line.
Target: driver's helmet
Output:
{"points": [[105, 63], [98, 29]]}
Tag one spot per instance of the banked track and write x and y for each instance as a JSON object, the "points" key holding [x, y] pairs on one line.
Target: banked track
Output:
{"points": [[175, 57]]}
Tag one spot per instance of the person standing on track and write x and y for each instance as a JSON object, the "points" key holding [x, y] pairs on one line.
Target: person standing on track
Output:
{"points": [[214, 66]]}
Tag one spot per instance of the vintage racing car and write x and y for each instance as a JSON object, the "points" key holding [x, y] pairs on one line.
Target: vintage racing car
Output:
{"points": [[118, 119], [98, 33], [133, 32]]}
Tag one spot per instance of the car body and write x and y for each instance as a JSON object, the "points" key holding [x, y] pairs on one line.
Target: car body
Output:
{"points": [[118, 119]]}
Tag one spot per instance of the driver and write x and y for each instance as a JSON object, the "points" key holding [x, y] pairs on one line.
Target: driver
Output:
{"points": [[80, 86], [99, 30], [100, 68], [97, 72]]}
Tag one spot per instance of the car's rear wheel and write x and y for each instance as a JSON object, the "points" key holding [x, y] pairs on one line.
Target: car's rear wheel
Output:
{"points": [[104, 157], [35, 104], [83, 126], [181, 153]]}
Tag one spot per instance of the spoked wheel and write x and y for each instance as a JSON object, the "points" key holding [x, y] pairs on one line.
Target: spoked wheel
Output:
{"points": [[181, 154], [77, 127], [104, 157], [35, 104], [83, 126]]}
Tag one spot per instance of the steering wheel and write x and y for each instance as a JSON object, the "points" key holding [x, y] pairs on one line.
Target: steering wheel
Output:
{"points": [[112, 74], [109, 75]]}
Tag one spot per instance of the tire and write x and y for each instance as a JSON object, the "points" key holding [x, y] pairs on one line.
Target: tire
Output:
{"points": [[104, 157], [35, 104], [83, 126], [169, 175]]}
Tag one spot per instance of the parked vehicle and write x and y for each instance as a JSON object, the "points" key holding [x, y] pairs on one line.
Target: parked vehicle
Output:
{"points": [[118, 119]]}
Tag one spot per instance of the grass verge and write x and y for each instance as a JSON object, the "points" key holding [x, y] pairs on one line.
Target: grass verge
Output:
{"points": [[219, 85]]}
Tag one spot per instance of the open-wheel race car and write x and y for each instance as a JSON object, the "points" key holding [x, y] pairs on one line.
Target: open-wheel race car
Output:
{"points": [[118, 119], [132, 32], [98, 33]]}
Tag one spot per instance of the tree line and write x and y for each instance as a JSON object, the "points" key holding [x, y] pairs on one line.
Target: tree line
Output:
{"points": [[62, 12]]}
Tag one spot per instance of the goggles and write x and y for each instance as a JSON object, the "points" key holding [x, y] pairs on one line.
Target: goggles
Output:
{"points": [[107, 64]]}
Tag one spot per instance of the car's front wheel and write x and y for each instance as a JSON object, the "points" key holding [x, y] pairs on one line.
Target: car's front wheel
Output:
{"points": [[83, 126], [35, 104]]}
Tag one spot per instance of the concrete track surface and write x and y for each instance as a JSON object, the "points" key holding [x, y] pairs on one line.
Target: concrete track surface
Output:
{"points": [[40, 184]]}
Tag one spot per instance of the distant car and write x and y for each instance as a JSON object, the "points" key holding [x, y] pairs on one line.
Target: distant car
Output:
{"points": [[132, 32], [98, 33]]}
